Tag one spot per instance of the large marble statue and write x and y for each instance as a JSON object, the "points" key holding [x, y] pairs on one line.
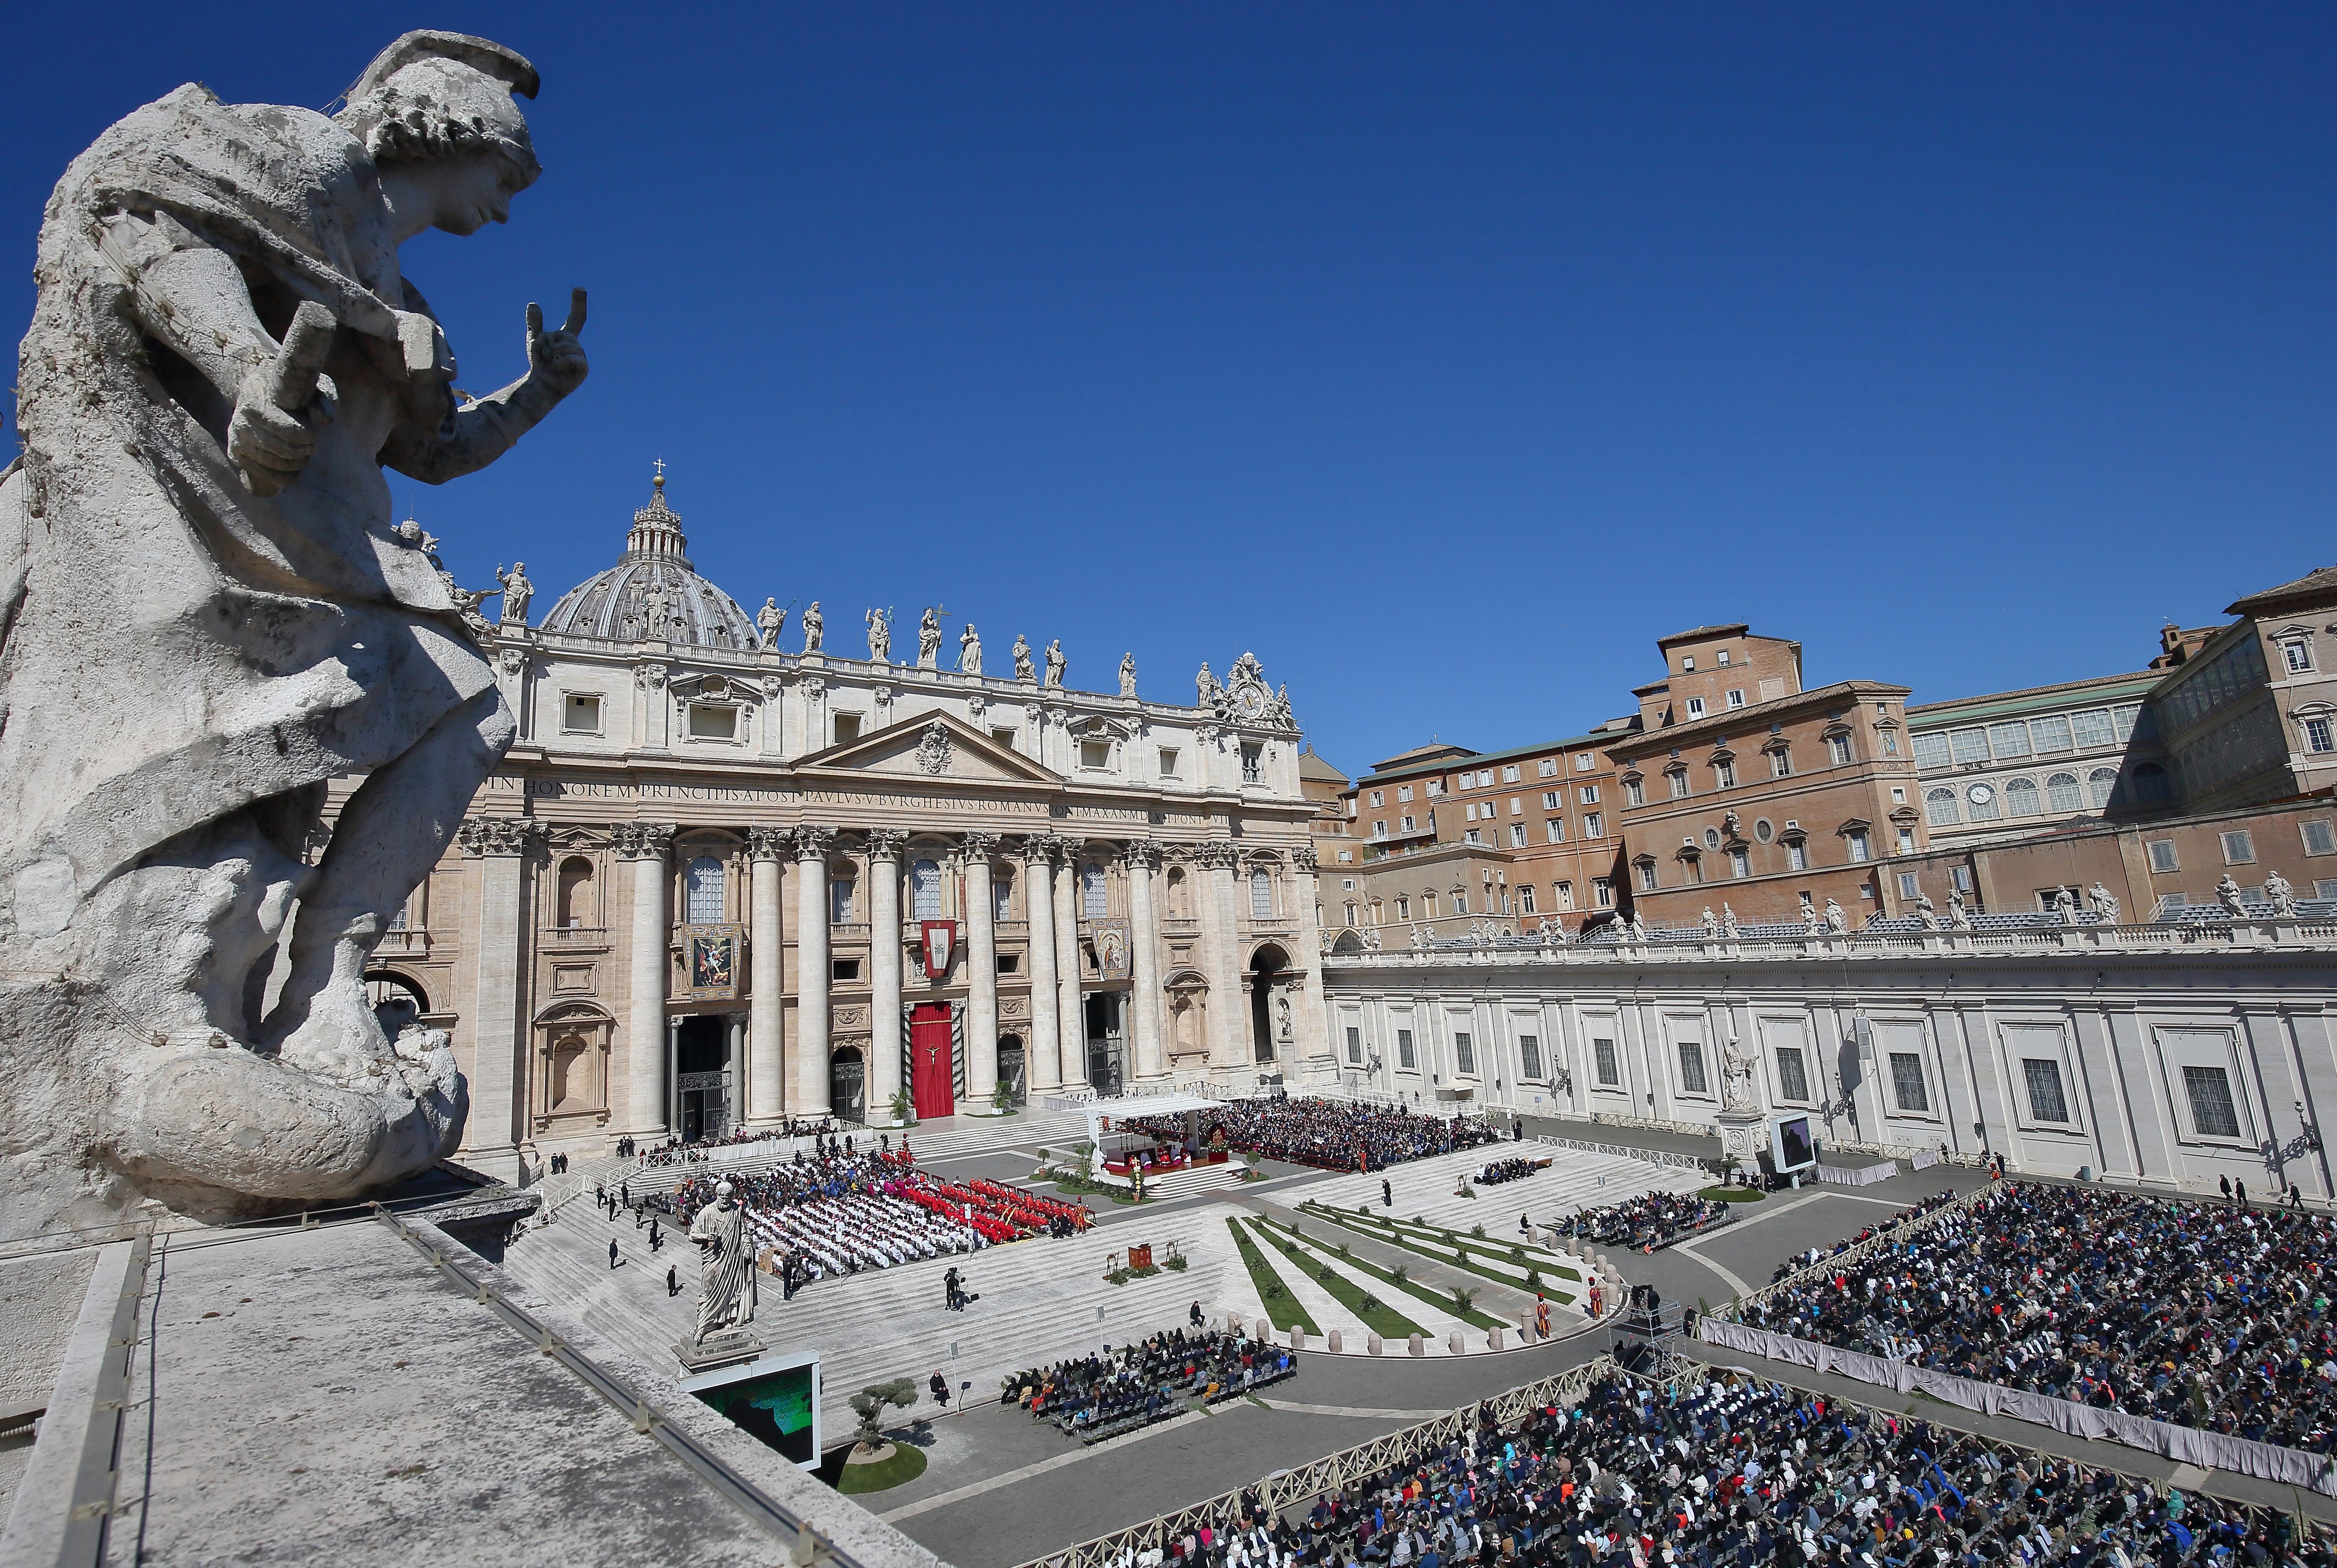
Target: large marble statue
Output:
{"points": [[2227, 893], [969, 650], [1023, 669], [1735, 1076], [517, 591], [1128, 674], [929, 639], [1206, 687], [1056, 662], [725, 1263], [880, 636], [814, 628], [2282, 895], [2105, 903], [222, 359], [769, 622]]}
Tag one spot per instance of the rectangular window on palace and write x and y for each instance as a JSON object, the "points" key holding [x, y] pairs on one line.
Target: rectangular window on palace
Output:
{"points": [[581, 714], [2047, 1103], [1737, 697], [1593, 826], [1972, 744], [1404, 793], [839, 903], [1530, 1055], [2212, 1113], [1554, 830], [1378, 798], [1509, 774], [2050, 734], [2320, 736], [1589, 793], [1909, 887], [2163, 857], [2239, 848], [1355, 1048], [1932, 750], [1838, 749], [1691, 1064], [1517, 835], [1907, 1083], [1526, 898], [1404, 1056], [1565, 892], [1793, 1074], [1169, 765], [2009, 741], [1602, 892], [2319, 837], [2091, 728], [1858, 850], [1740, 863], [1797, 856], [1781, 763], [1602, 1053], [1696, 707], [1547, 767], [1582, 762], [1464, 1054]]}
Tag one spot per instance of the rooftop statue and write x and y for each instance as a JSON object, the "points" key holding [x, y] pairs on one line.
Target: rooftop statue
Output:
{"points": [[223, 357]]}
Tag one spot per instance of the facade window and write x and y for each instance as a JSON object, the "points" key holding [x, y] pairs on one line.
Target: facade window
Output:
{"points": [[1910, 887], [1554, 830], [2163, 857], [1856, 839], [1551, 800], [1404, 793], [1602, 1053], [1379, 798], [840, 902], [1002, 895], [2150, 784], [713, 721], [1517, 807], [2212, 1113], [1906, 841], [1589, 794], [1972, 744], [1582, 763], [1094, 894], [2050, 734], [1464, 1054], [1797, 855], [2296, 654], [1691, 1061], [1724, 775], [1526, 898], [926, 891], [1379, 828], [701, 892], [2063, 795], [1678, 779], [1409, 824], [1434, 788], [1403, 1055], [2093, 728], [1688, 664], [2239, 847], [1696, 707], [1793, 1074], [1351, 912], [1095, 754], [1932, 750], [1517, 835], [1781, 763], [1547, 767], [1907, 1083], [1737, 697], [1261, 894], [1460, 900], [2319, 735], [1602, 892], [1565, 895], [2020, 797], [1724, 659], [847, 727], [1647, 876], [1428, 906], [580, 714], [1838, 750], [1963, 875], [2319, 837], [1981, 799], [2045, 1101], [1472, 837], [2008, 742], [1403, 908], [1168, 762], [575, 905], [1530, 1055], [1740, 863], [1635, 794], [2100, 784], [1354, 1047], [1253, 765], [1940, 808], [1593, 826], [1509, 772]]}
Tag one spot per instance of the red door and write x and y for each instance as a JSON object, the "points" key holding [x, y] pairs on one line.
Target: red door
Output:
{"points": [[932, 1069]]}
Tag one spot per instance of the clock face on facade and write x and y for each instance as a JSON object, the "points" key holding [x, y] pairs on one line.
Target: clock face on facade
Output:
{"points": [[1979, 794], [1250, 700]]}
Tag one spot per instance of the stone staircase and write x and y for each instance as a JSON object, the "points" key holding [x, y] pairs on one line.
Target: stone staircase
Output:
{"points": [[1194, 1179]]}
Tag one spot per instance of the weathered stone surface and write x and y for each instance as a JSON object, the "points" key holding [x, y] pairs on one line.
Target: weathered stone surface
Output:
{"points": [[207, 612]]}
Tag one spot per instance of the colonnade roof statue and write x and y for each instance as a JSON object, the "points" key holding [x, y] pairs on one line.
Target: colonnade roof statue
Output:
{"points": [[209, 614]]}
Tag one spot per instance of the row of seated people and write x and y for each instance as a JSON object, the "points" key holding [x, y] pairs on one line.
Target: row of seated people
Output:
{"points": [[1738, 1475], [1101, 1396], [1333, 1134], [1500, 1171], [2202, 1315], [1643, 1224], [1797, 1262]]}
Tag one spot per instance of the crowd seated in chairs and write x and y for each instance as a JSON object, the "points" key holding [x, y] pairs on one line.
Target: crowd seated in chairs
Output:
{"points": [[1800, 1261], [846, 1213], [1103, 1395], [1331, 1134], [1643, 1224], [1500, 1171], [1736, 1474], [2200, 1314], [699, 1151]]}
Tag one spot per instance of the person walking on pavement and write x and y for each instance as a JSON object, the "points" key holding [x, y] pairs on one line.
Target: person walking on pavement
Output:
{"points": [[1387, 1194], [2240, 1194], [657, 1237], [1196, 1314], [612, 1254], [2295, 1196], [2228, 1189], [673, 1281], [939, 1385]]}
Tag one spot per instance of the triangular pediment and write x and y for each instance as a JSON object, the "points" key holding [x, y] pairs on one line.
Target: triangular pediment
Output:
{"points": [[936, 746]]}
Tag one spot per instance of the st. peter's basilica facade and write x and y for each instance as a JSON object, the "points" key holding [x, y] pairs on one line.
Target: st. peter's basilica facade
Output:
{"points": [[717, 884]]}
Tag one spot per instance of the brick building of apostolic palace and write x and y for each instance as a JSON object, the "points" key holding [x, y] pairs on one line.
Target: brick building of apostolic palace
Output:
{"points": [[716, 884]]}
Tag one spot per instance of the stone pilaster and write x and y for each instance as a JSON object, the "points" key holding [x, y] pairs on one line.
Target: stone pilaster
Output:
{"points": [[1041, 1060], [1313, 1045], [884, 846], [981, 975], [498, 1078], [767, 849], [812, 972], [1071, 1016], [647, 845], [1146, 1023], [1230, 1020]]}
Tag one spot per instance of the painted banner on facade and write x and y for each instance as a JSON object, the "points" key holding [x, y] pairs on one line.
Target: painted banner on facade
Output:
{"points": [[1111, 947], [940, 943], [710, 961]]}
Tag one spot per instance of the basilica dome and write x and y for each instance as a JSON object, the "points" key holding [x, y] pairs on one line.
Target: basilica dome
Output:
{"points": [[652, 580]]}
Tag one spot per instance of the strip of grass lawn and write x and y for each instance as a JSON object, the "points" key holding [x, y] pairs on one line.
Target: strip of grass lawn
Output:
{"points": [[1729, 1194], [1440, 1299], [1282, 1308], [1384, 1320], [1406, 1233], [1418, 1245]]}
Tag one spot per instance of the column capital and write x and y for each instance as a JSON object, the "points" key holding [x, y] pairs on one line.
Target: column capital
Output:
{"points": [[1303, 858], [769, 843], [813, 842], [1042, 849], [1218, 855], [979, 845], [886, 843], [484, 836], [1140, 854], [642, 841]]}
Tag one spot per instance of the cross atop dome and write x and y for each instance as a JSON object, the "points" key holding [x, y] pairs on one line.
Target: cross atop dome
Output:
{"points": [[657, 528]]}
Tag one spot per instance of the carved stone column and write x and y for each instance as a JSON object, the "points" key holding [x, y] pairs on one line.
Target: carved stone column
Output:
{"points": [[1230, 1020], [646, 844], [766, 1068], [1070, 1015], [981, 975], [811, 969], [1314, 1031], [1042, 1061], [498, 1078], [1142, 859], [884, 846]]}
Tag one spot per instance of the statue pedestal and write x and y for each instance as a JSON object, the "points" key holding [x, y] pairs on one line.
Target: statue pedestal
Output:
{"points": [[722, 1348], [1744, 1133]]}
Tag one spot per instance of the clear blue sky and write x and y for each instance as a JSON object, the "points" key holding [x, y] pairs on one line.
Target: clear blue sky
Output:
{"points": [[1443, 355]]}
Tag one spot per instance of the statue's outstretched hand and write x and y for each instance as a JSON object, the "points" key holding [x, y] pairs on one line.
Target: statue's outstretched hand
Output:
{"points": [[557, 359], [265, 437]]}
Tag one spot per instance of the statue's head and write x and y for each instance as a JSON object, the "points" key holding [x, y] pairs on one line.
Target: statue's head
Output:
{"points": [[723, 1191], [443, 103]]}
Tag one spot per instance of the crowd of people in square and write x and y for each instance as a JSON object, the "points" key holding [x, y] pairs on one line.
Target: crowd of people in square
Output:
{"points": [[1797, 1262], [700, 1151], [1496, 1172], [2209, 1315], [1737, 1473], [1646, 1222], [1331, 1134], [1120, 1389], [844, 1209]]}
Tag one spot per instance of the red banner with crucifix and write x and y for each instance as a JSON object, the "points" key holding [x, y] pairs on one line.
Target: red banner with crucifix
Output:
{"points": [[940, 946]]}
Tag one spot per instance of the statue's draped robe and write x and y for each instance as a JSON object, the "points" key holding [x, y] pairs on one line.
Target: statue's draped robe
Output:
{"points": [[226, 650], [726, 1276]]}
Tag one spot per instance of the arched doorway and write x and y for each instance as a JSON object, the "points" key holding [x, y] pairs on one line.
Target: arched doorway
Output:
{"points": [[704, 1079], [1011, 1070], [1264, 966], [397, 1002], [847, 1085]]}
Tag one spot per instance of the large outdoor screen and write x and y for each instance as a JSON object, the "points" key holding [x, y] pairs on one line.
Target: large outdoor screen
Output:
{"points": [[1792, 1143], [775, 1397]]}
